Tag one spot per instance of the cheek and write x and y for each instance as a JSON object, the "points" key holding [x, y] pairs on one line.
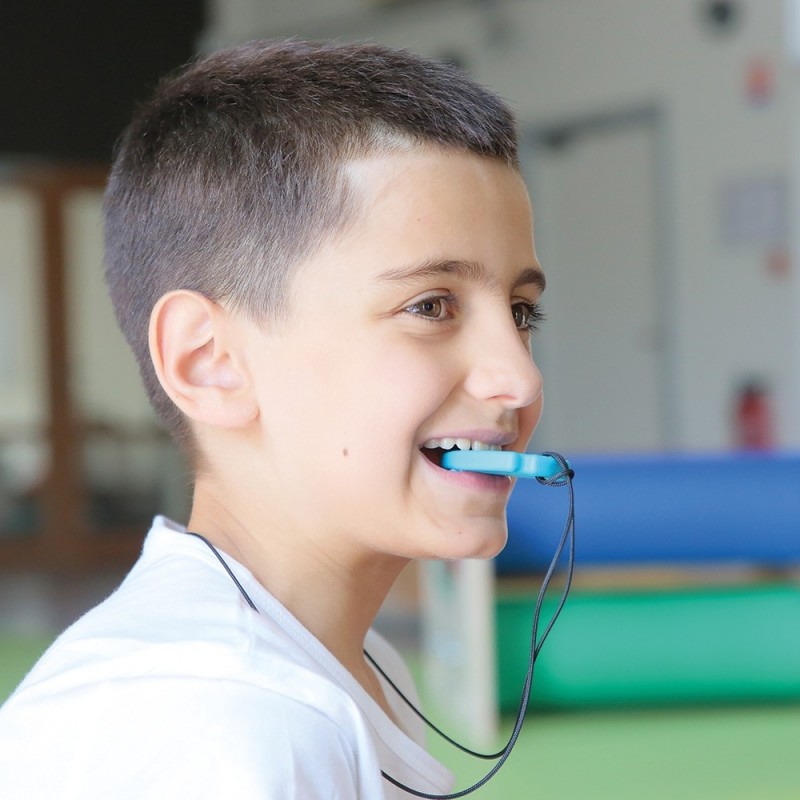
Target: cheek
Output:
{"points": [[390, 400], [411, 386]]}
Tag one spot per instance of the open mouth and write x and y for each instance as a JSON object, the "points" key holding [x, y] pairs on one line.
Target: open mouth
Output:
{"points": [[434, 448]]}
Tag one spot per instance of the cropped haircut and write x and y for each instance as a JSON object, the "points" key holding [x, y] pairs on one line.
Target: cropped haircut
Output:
{"points": [[232, 173]]}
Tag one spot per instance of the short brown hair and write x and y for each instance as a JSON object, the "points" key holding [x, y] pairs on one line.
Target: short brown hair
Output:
{"points": [[232, 172]]}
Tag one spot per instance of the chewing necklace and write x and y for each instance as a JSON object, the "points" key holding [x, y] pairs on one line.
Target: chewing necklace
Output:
{"points": [[550, 469]]}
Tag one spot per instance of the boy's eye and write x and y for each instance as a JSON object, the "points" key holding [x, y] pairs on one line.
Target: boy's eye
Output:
{"points": [[527, 316], [433, 308]]}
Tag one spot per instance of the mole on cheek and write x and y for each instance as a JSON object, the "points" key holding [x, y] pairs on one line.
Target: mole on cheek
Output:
{"points": [[345, 452]]}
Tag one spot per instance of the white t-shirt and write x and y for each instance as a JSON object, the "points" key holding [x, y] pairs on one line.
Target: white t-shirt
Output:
{"points": [[174, 687]]}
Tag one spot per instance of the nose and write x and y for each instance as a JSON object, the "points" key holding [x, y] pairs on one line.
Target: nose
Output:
{"points": [[502, 369]]}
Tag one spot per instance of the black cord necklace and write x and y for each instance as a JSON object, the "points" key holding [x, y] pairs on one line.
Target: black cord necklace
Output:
{"points": [[563, 478]]}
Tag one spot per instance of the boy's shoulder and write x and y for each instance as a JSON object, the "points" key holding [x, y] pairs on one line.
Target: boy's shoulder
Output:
{"points": [[177, 614], [158, 735], [172, 671]]}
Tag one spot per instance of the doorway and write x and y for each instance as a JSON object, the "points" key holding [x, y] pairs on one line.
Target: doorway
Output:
{"points": [[597, 192]]}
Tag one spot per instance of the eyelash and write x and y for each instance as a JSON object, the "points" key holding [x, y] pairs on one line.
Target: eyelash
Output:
{"points": [[532, 312], [534, 316]]}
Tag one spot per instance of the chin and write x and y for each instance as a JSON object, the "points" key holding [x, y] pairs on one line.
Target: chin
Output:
{"points": [[484, 541]]}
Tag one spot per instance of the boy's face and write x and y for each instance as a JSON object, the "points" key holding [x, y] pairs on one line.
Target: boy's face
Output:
{"points": [[408, 328]]}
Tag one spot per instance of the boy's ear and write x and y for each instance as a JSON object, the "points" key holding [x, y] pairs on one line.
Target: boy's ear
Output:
{"points": [[194, 348]]}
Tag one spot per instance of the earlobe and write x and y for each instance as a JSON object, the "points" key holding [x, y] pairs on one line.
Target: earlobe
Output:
{"points": [[194, 348]]}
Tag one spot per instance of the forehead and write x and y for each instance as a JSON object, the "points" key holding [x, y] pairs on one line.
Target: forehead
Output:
{"points": [[419, 209], [425, 185]]}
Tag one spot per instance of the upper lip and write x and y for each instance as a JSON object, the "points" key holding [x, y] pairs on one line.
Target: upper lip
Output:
{"points": [[501, 438]]}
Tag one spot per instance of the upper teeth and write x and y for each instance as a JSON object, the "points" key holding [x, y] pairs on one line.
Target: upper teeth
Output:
{"points": [[461, 444]]}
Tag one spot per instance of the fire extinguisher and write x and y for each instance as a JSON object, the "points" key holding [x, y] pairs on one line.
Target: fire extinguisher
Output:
{"points": [[753, 419]]}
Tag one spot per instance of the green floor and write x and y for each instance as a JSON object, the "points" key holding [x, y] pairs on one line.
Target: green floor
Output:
{"points": [[684, 754], [709, 754], [18, 652]]}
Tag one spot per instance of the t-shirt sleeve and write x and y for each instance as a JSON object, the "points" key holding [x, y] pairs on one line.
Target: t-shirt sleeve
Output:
{"points": [[176, 737]]}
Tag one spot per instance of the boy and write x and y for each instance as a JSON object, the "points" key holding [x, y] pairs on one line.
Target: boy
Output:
{"points": [[322, 257]]}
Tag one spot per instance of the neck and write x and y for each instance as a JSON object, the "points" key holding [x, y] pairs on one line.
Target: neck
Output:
{"points": [[334, 592]]}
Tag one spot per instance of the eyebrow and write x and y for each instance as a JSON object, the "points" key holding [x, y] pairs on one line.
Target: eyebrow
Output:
{"points": [[471, 271]]}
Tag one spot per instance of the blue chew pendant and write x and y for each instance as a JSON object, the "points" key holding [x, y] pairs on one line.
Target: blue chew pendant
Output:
{"points": [[502, 462]]}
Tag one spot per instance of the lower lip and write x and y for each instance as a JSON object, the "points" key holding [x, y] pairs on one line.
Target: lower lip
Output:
{"points": [[476, 481]]}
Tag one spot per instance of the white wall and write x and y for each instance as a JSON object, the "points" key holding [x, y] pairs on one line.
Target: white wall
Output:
{"points": [[103, 374], [23, 387], [730, 318], [23, 399], [105, 379], [558, 60]]}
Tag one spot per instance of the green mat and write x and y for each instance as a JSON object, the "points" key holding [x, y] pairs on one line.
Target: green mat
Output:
{"points": [[655, 648]]}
